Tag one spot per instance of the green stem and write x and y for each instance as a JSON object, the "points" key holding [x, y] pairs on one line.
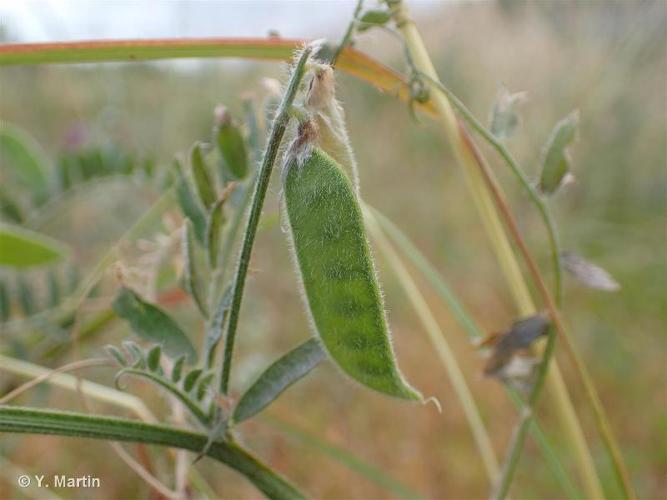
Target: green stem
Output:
{"points": [[601, 420], [479, 179], [442, 348], [519, 437], [547, 448], [536, 199], [349, 33], [230, 236], [34, 421], [277, 132], [474, 333], [518, 440]]}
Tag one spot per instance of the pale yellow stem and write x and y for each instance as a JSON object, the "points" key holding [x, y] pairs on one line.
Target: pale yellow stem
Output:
{"points": [[557, 390], [441, 346]]}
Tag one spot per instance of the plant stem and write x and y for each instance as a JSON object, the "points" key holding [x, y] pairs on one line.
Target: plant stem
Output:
{"points": [[502, 247], [474, 333], [540, 204], [444, 351], [34, 421], [76, 365], [589, 388], [349, 33], [516, 444], [72, 383], [536, 199], [264, 175]]}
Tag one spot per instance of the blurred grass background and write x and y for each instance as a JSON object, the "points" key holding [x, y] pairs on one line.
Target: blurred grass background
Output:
{"points": [[606, 59]]}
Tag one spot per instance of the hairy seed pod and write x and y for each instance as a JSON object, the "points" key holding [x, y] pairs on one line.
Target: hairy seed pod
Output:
{"points": [[337, 273]]}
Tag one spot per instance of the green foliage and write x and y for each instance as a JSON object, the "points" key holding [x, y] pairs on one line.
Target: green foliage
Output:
{"points": [[232, 148], [10, 209], [153, 358], [117, 354], [216, 219], [23, 157], [504, 118], [26, 420], [177, 369], [193, 278], [203, 182], [556, 162], [5, 305], [190, 379], [214, 328], [188, 203], [21, 248], [287, 370], [151, 323], [147, 365], [338, 275], [373, 18], [79, 166]]}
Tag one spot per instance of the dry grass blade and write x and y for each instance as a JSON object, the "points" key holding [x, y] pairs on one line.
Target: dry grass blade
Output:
{"points": [[444, 351]]}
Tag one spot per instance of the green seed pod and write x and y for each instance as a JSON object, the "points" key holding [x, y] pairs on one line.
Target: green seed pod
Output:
{"points": [[231, 146], [337, 272], [555, 159]]}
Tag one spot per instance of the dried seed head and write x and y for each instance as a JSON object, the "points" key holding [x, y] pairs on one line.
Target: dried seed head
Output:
{"points": [[517, 339], [302, 145], [322, 88], [307, 132]]}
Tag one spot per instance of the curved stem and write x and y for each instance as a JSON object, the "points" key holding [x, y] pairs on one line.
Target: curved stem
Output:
{"points": [[34, 421], [527, 416], [474, 333], [589, 388], [506, 258], [264, 175], [349, 33], [76, 365], [442, 347], [536, 199], [71, 383]]}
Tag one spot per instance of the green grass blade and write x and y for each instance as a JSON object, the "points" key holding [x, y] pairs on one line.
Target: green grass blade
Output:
{"points": [[24, 156], [474, 333]]}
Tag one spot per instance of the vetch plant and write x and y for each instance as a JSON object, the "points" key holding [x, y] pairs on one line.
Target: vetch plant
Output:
{"points": [[219, 190]]}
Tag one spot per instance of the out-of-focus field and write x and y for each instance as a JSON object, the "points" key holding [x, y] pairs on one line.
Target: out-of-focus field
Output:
{"points": [[606, 59]]}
